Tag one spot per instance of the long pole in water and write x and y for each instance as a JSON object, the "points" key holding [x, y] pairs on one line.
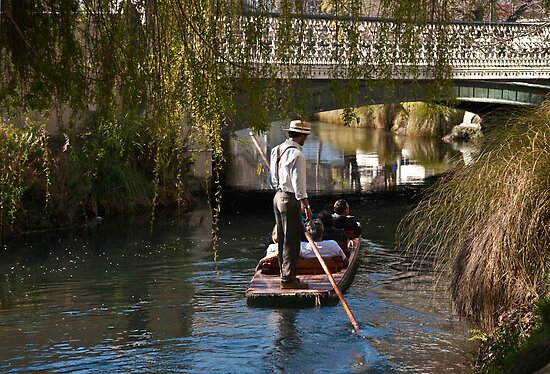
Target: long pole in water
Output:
{"points": [[258, 147], [319, 257], [333, 282]]}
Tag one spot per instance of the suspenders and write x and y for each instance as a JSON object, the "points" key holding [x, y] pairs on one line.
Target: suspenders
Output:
{"points": [[279, 155]]}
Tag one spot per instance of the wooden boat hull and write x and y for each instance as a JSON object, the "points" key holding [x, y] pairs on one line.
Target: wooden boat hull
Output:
{"points": [[265, 290]]}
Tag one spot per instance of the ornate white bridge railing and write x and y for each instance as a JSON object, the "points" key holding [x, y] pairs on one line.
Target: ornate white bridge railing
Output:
{"points": [[324, 47]]}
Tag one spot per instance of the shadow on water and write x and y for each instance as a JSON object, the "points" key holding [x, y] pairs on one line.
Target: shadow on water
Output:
{"points": [[122, 298]]}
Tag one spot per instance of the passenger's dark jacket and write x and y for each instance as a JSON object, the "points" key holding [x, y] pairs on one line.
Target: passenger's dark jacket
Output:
{"points": [[348, 223]]}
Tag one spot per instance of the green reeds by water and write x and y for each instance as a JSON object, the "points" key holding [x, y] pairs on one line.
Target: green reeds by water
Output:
{"points": [[488, 223], [22, 166], [51, 183], [427, 119]]}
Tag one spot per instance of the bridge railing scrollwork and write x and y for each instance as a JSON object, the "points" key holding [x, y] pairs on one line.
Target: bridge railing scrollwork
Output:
{"points": [[325, 47]]}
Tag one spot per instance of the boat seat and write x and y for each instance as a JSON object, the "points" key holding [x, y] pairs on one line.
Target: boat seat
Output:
{"points": [[270, 266], [351, 234], [344, 246]]}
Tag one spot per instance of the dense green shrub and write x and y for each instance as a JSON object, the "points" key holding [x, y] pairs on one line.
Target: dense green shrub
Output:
{"points": [[23, 151]]}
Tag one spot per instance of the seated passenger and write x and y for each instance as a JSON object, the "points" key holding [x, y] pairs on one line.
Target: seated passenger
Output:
{"points": [[330, 232], [342, 219], [327, 248], [272, 250]]}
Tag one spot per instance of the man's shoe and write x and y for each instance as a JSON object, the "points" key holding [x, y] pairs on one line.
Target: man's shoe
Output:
{"points": [[293, 285]]}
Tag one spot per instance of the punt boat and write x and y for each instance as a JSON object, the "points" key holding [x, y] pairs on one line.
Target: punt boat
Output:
{"points": [[264, 288]]}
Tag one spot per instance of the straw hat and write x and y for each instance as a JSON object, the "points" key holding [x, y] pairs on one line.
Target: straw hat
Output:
{"points": [[299, 126]]}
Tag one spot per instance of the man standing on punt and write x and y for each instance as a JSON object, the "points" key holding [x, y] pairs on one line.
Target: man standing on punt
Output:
{"points": [[288, 175]]}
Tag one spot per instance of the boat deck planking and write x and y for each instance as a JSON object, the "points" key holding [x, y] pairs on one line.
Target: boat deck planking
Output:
{"points": [[265, 289]]}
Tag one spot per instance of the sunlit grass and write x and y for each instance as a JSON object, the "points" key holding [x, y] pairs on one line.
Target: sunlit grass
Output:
{"points": [[418, 118], [431, 119]]}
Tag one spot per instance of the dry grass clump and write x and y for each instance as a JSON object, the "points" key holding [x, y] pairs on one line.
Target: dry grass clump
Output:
{"points": [[488, 223]]}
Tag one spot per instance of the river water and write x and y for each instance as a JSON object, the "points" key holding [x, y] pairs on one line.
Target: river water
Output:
{"points": [[120, 297]]}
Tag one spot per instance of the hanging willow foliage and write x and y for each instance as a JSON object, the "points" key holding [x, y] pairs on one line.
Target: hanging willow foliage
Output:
{"points": [[135, 86]]}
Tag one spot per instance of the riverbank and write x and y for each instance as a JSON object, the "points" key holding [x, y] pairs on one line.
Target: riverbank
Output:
{"points": [[521, 343], [413, 119], [51, 183]]}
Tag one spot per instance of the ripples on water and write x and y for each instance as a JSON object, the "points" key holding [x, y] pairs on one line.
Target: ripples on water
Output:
{"points": [[120, 298], [127, 300]]}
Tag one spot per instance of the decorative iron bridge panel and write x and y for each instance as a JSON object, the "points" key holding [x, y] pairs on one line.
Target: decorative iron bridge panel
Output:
{"points": [[325, 47]]}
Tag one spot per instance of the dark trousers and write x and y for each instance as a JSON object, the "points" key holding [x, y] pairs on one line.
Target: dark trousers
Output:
{"points": [[289, 224]]}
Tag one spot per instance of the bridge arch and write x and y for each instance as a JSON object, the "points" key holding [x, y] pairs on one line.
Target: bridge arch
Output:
{"points": [[464, 93], [484, 63]]}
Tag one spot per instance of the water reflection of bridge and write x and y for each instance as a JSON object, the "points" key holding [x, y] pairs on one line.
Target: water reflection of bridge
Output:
{"points": [[345, 159]]}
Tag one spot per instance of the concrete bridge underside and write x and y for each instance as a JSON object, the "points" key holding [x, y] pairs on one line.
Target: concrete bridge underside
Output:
{"points": [[477, 96]]}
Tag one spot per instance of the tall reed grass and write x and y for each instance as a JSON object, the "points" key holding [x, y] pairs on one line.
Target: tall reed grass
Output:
{"points": [[488, 223]]}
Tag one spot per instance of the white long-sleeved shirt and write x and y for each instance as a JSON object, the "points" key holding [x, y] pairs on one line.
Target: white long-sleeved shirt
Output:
{"points": [[327, 248], [292, 169]]}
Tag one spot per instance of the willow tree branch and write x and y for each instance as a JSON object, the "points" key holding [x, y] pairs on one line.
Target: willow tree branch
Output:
{"points": [[204, 41], [519, 12], [19, 31]]}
